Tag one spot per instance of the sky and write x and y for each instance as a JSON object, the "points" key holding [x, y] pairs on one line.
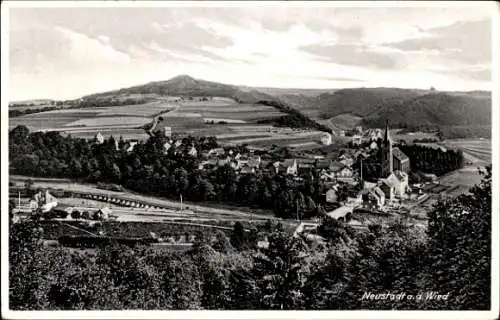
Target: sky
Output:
{"points": [[64, 53]]}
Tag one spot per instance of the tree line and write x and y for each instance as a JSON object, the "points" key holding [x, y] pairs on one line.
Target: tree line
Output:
{"points": [[422, 159], [17, 113], [451, 256], [294, 118]]}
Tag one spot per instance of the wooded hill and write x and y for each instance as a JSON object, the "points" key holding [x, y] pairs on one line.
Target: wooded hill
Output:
{"points": [[408, 108]]}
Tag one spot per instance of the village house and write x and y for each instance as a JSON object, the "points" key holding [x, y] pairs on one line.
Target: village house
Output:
{"points": [[216, 152], [177, 144], [193, 152], [254, 161], [207, 164], [222, 161], [332, 194], [396, 185], [44, 201], [373, 198], [373, 134], [348, 162], [276, 165], [166, 147], [357, 140], [326, 139], [289, 166], [99, 138], [102, 214], [159, 126], [130, 145], [246, 169], [343, 173], [305, 165], [323, 165], [61, 211]]}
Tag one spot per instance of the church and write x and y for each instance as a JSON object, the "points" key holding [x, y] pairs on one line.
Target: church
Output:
{"points": [[393, 180], [394, 168]]}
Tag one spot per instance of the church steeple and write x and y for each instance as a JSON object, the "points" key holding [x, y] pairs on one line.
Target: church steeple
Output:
{"points": [[387, 137], [386, 153]]}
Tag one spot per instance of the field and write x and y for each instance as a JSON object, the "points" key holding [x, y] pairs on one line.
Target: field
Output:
{"points": [[345, 121], [477, 153], [85, 123], [229, 121]]}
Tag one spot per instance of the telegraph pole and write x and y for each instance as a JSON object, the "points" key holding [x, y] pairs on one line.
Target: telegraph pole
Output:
{"points": [[297, 208], [181, 202], [361, 170]]}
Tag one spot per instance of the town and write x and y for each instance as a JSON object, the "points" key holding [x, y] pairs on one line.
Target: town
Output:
{"points": [[342, 188]]}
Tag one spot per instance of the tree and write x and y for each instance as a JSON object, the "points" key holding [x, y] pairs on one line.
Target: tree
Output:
{"points": [[238, 236], [18, 135], [335, 230], [460, 244], [221, 243], [279, 273], [116, 173]]}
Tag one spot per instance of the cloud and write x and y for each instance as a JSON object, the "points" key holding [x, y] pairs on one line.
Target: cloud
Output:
{"points": [[285, 45], [327, 78], [357, 55], [467, 42], [480, 73], [86, 50]]}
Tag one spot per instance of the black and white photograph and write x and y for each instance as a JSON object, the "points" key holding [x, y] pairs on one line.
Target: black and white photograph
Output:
{"points": [[219, 159]]}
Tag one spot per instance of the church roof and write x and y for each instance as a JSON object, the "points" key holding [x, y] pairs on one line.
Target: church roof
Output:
{"points": [[378, 192], [396, 152], [288, 162]]}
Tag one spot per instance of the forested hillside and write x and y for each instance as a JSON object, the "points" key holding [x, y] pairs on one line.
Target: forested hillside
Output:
{"points": [[405, 108], [435, 109]]}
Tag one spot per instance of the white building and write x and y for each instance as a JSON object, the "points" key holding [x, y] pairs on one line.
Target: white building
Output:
{"points": [[99, 138], [193, 152], [357, 139], [326, 139]]}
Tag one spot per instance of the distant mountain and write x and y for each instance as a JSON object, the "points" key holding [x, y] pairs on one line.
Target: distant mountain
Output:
{"points": [[185, 85]]}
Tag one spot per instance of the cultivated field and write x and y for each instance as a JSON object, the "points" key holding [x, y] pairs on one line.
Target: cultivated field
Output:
{"points": [[477, 153], [85, 123], [229, 121], [475, 150]]}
